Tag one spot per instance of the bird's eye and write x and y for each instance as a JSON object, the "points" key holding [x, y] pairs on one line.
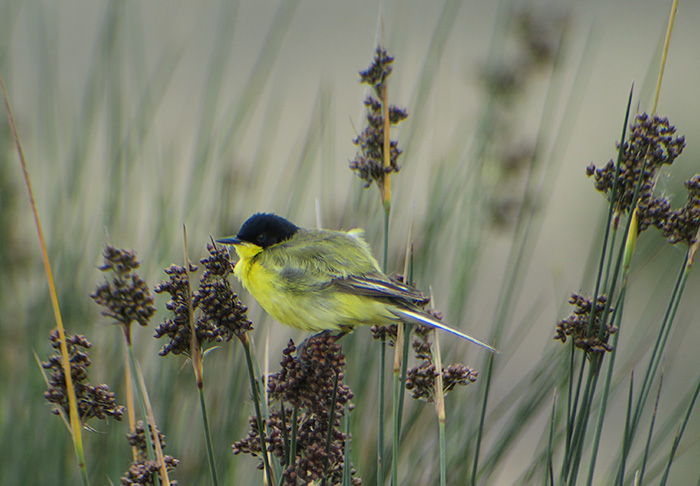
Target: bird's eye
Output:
{"points": [[261, 238]]}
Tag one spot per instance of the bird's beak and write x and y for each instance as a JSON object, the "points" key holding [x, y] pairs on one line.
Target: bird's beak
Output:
{"points": [[229, 240]]}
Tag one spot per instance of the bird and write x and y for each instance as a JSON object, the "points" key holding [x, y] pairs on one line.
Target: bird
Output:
{"points": [[319, 280]]}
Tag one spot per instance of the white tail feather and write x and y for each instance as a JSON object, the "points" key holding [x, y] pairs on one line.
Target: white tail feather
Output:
{"points": [[411, 317]]}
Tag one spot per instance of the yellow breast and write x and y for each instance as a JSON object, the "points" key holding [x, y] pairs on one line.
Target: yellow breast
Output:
{"points": [[320, 310]]}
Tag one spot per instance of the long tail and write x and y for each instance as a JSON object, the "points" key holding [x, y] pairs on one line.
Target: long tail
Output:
{"points": [[412, 317]]}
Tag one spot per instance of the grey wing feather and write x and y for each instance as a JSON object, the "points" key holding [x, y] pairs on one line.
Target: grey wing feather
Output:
{"points": [[377, 285]]}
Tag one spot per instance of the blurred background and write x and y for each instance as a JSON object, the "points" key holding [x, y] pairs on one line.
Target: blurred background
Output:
{"points": [[137, 117]]}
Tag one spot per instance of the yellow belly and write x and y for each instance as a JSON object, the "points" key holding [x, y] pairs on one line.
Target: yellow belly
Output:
{"points": [[315, 311]]}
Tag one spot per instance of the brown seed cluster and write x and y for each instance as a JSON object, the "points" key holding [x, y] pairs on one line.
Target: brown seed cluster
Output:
{"points": [[651, 145], [306, 382], [126, 298], [420, 379], [369, 160], [93, 400], [682, 224], [220, 316], [576, 325], [143, 471]]}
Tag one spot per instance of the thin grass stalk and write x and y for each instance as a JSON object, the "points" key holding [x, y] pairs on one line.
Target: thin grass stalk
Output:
{"points": [[245, 340], [549, 473], [623, 256], [667, 42], [651, 431], [386, 200], [285, 434], [604, 399], [626, 436], [294, 434], [663, 434], [401, 347], [610, 224], [655, 359], [329, 435], [381, 419], [608, 267], [408, 278], [440, 408], [152, 428], [443, 453], [398, 359], [569, 401], [75, 425], [679, 435], [150, 448], [622, 262], [347, 469], [572, 410], [276, 467], [630, 246], [404, 370], [648, 378], [130, 397], [579, 436], [482, 417], [207, 438]]}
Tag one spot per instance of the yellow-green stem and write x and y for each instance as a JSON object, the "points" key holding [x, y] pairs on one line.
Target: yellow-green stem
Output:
{"points": [[150, 449], [130, 392], [151, 426], [440, 407], [207, 437], [667, 42], [245, 340], [76, 431]]}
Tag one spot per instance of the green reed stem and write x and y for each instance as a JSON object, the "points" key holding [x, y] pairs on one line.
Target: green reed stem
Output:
{"points": [[382, 364], [651, 431], [577, 444], [443, 453], [380, 429], [482, 417], [396, 429], [679, 435], [654, 361], [258, 415], [605, 394], [347, 469], [207, 437], [150, 449], [293, 441], [549, 473]]}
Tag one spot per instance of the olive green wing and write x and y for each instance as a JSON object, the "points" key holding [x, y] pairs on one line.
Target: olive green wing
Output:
{"points": [[313, 259]]}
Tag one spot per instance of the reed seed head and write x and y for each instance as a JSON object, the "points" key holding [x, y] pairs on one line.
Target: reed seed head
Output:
{"points": [[142, 471], [576, 325], [93, 400], [219, 314], [126, 297]]}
